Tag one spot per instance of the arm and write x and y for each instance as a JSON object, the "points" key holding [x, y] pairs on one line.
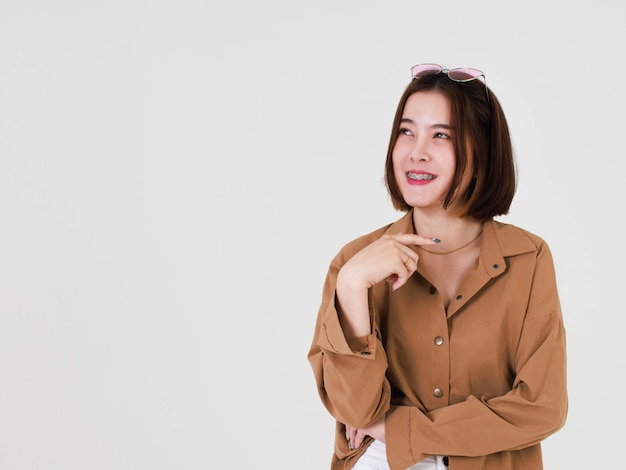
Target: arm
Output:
{"points": [[347, 356]]}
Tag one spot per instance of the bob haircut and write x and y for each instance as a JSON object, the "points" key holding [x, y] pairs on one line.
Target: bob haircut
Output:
{"points": [[481, 129]]}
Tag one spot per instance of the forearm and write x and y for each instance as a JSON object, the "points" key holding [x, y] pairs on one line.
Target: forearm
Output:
{"points": [[533, 409], [355, 391], [350, 372], [472, 428]]}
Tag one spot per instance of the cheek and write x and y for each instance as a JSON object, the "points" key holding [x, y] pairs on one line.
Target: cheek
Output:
{"points": [[396, 158], [398, 153], [401, 147]]}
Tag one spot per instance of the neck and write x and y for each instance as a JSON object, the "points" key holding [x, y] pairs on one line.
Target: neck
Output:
{"points": [[453, 231]]}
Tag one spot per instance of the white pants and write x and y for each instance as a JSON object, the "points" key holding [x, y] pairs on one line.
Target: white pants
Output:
{"points": [[375, 458]]}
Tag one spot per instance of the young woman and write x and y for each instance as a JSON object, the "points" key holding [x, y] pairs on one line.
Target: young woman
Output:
{"points": [[439, 341]]}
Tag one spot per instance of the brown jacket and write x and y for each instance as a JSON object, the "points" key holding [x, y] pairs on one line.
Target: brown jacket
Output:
{"points": [[482, 383]]}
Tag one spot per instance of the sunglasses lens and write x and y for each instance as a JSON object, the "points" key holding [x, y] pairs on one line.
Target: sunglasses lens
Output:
{"points": [[464, 74], [425, 69]]}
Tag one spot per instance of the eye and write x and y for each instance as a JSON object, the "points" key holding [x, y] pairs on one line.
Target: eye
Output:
{"points": [[441, 135], [404, 131]]}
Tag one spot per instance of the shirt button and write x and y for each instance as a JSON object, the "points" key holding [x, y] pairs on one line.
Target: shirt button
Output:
{"points": [[438, 392], [432, 290], [459, 297], [496, 266], [365, 353], [438, 340]]}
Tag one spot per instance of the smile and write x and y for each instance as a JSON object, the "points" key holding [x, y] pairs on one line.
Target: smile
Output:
{"points": [[420, 176]]}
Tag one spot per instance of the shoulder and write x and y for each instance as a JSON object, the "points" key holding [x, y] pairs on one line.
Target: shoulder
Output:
{"points": [[357, 244], [402, 225], [514, 240]]}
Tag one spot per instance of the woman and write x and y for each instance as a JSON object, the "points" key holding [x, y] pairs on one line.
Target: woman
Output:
{"points": [[439, 341]]}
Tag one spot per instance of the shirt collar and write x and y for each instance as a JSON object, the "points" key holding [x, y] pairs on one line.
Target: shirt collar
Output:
{"points": [[500, 241]]}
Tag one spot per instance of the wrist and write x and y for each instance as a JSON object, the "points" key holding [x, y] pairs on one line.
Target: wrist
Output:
{"points": [[353, 309]]}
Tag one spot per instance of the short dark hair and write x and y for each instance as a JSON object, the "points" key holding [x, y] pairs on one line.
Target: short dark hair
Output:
{"points": [[480, 123]]}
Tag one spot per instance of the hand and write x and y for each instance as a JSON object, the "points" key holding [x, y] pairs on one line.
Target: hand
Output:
{"points": [[390, 257], [356, 436]]}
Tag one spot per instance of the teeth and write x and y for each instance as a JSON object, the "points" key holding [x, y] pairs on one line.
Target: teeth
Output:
{"points": [[420, 176]]}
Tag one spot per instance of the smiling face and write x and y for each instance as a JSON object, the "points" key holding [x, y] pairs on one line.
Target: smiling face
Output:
{"points": [[478, 147], [423, 156]]}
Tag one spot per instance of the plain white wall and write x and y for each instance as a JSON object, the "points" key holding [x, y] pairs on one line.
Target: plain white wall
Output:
{"points": [[175, 177]]}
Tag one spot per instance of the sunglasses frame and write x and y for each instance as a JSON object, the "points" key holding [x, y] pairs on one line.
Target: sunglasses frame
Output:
{"points": [[435, 69]]}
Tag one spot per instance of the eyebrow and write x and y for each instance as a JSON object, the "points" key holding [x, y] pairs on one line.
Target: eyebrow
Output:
{"points": [[432, 126]]}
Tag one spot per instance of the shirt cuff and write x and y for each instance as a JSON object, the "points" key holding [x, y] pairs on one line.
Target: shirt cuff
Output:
{"points": [[332, 337]]}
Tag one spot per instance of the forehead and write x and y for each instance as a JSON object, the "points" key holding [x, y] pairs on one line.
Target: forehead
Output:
{"points": [[430, 105]]}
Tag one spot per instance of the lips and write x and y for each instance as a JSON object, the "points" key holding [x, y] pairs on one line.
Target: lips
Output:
{"points": [[419, 177]]}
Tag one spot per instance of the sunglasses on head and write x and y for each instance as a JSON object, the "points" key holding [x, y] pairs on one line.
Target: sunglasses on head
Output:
{"points": [[460, 74]]}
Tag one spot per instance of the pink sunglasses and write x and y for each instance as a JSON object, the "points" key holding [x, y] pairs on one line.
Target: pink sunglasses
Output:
{"points": [[461, 74]]}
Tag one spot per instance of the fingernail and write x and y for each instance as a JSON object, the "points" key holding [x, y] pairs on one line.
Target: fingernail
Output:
{"points": [[436, 240]]}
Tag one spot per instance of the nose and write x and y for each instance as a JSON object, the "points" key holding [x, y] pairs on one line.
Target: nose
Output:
{"points": [[419, 152]]}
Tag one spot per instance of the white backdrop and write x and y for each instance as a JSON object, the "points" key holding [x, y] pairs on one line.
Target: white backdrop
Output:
{"points": [[175, 177]]}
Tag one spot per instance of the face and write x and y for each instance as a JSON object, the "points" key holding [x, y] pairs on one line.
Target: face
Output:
{"points": [[423, 156]]}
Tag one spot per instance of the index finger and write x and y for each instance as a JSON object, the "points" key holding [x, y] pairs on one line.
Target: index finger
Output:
{"points": [[413, 239]]}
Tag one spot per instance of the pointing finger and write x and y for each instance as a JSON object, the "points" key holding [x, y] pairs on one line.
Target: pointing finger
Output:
{"points": [[413, 239]]}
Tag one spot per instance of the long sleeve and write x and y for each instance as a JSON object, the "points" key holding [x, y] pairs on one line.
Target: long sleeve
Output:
{"points": [[350, 372]]}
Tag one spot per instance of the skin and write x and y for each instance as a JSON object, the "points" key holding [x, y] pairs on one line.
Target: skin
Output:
{"points": [[425, 146]]}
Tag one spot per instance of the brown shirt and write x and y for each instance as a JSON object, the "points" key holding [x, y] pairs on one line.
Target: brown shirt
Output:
{"points": [[482, 383]]}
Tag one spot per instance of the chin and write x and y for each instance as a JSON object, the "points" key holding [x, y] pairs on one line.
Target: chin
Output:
{"points": [[423, 201]]}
